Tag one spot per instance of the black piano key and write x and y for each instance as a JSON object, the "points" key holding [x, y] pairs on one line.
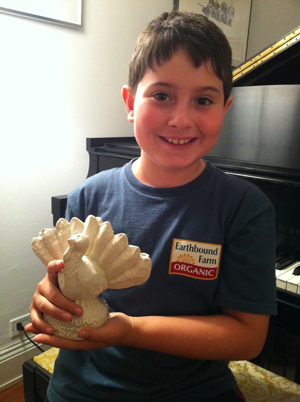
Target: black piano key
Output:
{"points": [[284, 263], [297, 271]]}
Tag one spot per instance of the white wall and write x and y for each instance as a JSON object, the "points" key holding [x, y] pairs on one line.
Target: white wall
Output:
{"points": [[58, 85]]}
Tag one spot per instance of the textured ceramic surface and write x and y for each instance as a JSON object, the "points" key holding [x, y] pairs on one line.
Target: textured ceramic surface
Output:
{"points": [[95, 259]]}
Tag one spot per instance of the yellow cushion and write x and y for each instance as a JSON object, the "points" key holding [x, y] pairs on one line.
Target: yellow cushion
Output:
{"points": [[260, 385], [47, 359]]}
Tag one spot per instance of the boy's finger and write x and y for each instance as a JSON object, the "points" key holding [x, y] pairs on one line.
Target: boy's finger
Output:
{"points": [[51, 308], [32, 329], [64, 343], [37, 324], [53, 268], [49, 300]]}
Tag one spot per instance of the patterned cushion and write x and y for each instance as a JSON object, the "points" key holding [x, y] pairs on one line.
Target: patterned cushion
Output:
{"points": [[256, 383], [47, 359], [260, 385]]}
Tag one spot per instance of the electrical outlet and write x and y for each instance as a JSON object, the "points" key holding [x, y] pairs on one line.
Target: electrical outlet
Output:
{"points": [[24, 319]]}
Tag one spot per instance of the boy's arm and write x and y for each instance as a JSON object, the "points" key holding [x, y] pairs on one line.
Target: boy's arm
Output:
{"points": [[231, 335]]}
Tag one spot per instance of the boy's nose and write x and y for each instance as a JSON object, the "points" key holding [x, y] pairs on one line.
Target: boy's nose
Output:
{"points": [[181, 117]]}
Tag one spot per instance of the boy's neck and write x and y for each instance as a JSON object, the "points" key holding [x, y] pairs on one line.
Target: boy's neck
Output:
{"points": [[165, 178]]}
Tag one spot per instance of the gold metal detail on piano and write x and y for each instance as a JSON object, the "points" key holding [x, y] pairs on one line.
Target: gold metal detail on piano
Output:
{"points": [[271, 51]]}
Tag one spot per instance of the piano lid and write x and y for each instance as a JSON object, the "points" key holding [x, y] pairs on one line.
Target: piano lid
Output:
{"points": [[277, 64], [261, 133]]}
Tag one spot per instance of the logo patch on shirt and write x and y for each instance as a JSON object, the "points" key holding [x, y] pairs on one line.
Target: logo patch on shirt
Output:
{"points": [[194, 259]]}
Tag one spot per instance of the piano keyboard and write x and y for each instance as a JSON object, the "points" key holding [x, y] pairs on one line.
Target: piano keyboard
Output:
{"points": [[288, 276]]}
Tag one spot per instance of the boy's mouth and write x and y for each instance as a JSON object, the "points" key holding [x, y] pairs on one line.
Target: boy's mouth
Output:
{"points": [[178, 142]]}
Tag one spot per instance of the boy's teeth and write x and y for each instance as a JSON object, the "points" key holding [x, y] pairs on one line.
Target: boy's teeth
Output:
{"points": [[176, 142]]}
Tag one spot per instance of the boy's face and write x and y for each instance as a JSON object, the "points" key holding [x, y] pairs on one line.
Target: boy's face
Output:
{"points": [[177, 113]]}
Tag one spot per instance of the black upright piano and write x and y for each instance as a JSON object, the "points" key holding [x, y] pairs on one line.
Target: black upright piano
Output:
{"points": [[259, 141]]}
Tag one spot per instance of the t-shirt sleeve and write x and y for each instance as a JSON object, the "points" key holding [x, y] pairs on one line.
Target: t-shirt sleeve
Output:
{"points": [[74, 206], [247, 277]]}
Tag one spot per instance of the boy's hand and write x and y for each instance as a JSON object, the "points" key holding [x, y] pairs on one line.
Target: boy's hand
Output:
{"points": [[113, 332], [49, 300]]}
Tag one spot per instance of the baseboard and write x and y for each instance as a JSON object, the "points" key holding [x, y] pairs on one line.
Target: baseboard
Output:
{"points": [[11, 359]]}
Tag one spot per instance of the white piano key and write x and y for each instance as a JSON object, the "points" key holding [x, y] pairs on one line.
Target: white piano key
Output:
{"points": [[293, 265], [279, 272], [287, 274], [293, 284]]}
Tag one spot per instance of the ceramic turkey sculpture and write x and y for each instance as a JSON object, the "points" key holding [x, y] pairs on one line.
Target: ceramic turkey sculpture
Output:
{"points": [[95, 259]]}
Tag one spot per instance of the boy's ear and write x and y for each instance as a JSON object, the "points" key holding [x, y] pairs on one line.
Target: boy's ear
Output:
{"points": [[128, 99], [228, 104]]}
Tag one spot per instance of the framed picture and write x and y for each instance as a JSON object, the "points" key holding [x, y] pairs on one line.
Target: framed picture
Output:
{"points": [[233, 17], [63, 12]]}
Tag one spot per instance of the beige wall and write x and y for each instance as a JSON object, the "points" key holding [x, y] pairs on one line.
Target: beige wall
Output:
{"points": [[271, 20]]}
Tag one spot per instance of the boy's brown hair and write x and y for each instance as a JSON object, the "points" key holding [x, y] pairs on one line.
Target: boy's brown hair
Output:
{"points": [[195, 33]]}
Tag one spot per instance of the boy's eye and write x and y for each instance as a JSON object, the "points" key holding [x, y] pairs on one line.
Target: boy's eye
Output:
{"points": [[203, 101], [161, 96]]}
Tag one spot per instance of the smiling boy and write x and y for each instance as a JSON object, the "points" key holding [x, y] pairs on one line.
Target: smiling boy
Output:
{"points": [[177, 120], [210, 237]]}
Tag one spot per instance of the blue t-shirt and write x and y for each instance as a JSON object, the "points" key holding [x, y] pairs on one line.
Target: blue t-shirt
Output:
{"points": [[211, 243]]}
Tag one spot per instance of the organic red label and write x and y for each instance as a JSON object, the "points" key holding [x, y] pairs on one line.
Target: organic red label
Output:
{"points": [[195, 259]]}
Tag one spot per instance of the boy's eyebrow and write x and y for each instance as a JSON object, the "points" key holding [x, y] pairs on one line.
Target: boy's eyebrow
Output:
{"points": [[211, 88], [200, 88]]}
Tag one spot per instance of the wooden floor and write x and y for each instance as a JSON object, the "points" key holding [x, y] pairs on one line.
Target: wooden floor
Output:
{"points": [[13, 394]]}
